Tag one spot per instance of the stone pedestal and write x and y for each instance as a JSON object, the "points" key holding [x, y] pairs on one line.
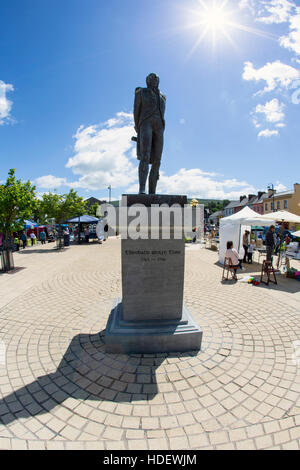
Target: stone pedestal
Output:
{"points": [[151, 317]]}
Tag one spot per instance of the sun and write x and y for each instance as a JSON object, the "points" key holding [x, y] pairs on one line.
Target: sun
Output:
{"points": [[215, 18], [212, 18]]}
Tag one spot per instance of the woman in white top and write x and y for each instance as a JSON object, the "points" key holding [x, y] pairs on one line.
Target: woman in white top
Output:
{"points": [[33, 237]]}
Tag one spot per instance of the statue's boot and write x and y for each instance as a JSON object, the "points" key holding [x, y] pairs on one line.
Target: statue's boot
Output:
{"points": [[143, 174], [153, 178]]}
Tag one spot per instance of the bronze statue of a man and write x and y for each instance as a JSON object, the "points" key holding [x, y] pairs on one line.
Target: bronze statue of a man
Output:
{"points": [[149, 112]]}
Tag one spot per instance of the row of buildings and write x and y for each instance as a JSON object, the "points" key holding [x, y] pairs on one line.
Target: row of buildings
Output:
{"points": [[263, 203]]}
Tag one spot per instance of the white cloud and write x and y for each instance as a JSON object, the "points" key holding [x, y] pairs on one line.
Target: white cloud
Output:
{"points": [[273, 110], [275, 11], [5, 103], [278, 12], [275, 74], [292, 40], [280, 187], [268, 133], [200, 184], [50, 182], [247, 4], [256, 123], [103, 154], [270, 11]]}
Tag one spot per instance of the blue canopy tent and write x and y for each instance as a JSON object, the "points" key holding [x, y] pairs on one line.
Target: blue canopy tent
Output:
{"points": [[83, 219], [30, 224]]}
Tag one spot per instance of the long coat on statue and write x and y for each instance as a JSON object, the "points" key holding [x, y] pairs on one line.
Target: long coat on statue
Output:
{"points": [[146, 104]]}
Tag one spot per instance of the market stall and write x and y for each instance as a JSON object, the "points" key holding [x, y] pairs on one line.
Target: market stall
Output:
{"points": [[233, 227], [291, 251], [85, 220], [283, 216]]}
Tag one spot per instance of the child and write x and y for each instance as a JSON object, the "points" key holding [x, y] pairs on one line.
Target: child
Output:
{"points": [[250, 251]]}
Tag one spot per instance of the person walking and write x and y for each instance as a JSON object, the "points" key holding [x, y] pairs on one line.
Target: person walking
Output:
{"points": [[105, 232], [24, 239], [270, 243], [87, 235], [66, 235], [43, 237], [33, 238]]}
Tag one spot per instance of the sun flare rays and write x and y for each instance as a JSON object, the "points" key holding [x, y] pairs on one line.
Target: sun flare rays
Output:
{"points": [[215, 20]]}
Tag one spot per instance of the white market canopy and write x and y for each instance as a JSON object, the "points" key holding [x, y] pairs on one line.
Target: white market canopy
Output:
{"points": [[283, 216], [232, 228], [296, 234], [247, 217]]}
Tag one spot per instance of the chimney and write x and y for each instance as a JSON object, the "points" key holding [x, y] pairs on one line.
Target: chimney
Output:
{"points": [[260, 194], [251, 196], [271, 192], [241, 198], [296, 187]]}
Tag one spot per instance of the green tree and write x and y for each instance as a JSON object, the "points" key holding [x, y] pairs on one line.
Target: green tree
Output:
{"points": [[215, 206], [93, 210], [225, 203], [61, 207], [17, 203]]}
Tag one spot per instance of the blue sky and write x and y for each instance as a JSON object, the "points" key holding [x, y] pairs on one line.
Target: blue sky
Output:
{"points": [[67, 78]]}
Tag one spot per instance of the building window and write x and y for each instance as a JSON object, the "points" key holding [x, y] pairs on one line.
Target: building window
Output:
{"points": [[266, 207], [278, 204], [285, 204]]}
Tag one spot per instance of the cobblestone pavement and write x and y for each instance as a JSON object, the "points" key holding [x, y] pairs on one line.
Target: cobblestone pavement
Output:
{"points": [[59, 389]]}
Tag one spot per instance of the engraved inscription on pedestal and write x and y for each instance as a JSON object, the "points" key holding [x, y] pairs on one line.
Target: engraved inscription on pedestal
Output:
{"points": [[152, 279]]}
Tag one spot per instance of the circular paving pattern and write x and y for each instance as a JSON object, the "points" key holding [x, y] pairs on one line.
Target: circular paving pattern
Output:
{"points": [[60, 388]]}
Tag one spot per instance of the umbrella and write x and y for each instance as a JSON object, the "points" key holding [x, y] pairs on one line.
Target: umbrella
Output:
{"points": [[247, 217], [283, 216], [30, 224], [296, 234], [83, 219]]}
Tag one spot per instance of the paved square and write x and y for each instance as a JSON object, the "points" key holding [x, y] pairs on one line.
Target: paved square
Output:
{"points": [[59, 389]]}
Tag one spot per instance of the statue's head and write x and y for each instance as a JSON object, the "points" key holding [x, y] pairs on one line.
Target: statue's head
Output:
{"points": [[152, 80]]}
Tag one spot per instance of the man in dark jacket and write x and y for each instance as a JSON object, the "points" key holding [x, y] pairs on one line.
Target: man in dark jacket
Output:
{"points": [[270, 242]]}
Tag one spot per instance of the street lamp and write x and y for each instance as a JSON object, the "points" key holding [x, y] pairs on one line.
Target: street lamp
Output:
{"points": [[109, 189], [271, 187]]}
